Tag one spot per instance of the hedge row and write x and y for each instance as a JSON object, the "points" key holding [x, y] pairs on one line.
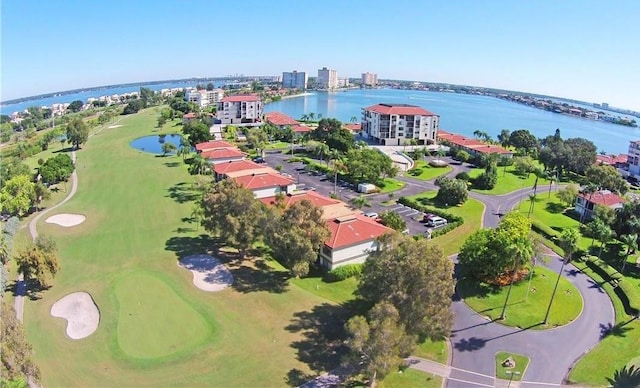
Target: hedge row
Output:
{"points": [[453, 220], [343, 272], [544, 230], [628, 293]]}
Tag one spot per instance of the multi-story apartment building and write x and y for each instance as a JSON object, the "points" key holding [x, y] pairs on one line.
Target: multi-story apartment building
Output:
{"points": [[240, 109], [204, 98], [633, 159], [369, 79], [343, 82], [327, 78], [294, 80], [392, 124]]}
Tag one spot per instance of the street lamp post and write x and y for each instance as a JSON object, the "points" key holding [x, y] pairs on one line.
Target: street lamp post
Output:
{"points": [[511, 373]]}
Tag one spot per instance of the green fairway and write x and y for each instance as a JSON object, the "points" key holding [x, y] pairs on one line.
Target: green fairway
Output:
{"points": [[148, 313], [513, 374], [471, 211], [426, 172], [138, 206], [510, 181], [525, 310]]}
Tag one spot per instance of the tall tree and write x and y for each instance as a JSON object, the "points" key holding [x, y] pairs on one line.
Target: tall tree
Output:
{"points": [[39, 262], [16, 197], [569, 243], [606, 177], [503, 137], [197, 132], [233, 213], [258, 138], [393, 220], [15, 352], [379, 344], [168, 147], [296, 238], [77, 132], [75, 106], [523, 141], [416, 278], [630, 241], [521, 250]]}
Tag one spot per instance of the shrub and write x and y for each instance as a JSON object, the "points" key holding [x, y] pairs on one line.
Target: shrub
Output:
{"points": [[544, 230], [343, 272], [628, 293], [463, 176]]}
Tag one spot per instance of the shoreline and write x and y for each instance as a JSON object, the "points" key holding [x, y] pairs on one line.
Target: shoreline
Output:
{"points": [[297, 95]]}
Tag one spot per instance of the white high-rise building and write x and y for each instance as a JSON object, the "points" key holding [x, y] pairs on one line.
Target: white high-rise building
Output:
{"points": [[369, 79], [327, 78], [392, 124], [204, 98], [240, 109], [294, 80]]}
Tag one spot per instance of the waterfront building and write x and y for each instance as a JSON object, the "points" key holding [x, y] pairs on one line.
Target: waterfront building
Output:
{"points": [[240, 109], [393, 124], [295, 80], [327, 78], [633, 159], [369, 79], [473, 146], [204, 98], [586, 202]]}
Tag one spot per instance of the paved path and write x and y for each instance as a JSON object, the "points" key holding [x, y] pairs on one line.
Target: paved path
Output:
{"points": [[21, 286]]}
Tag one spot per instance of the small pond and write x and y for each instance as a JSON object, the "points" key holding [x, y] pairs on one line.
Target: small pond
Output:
{"points": [[153, 144]]}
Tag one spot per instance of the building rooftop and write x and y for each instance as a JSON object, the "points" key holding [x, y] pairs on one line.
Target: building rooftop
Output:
{"points": [[211, 145], [399, 109], [612, 160], [353, 229], [262, 181], [473, 144], [236, 165], [280, 119], [223, 153], [241, 98], [189, 116], [353, 127], [603, 198]]}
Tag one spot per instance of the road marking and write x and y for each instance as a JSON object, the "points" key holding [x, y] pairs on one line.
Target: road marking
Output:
{"points": [[541, 383], [471, 382], [413, 213], [473, 373]]}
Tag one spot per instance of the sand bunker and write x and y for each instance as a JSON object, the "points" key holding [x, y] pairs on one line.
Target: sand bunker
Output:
{"points": [[208, 273], [81, 313], [114, 126], [66, 220]]}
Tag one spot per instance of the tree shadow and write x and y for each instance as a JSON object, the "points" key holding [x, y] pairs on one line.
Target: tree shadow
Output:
{"points": [[554, 207], [595, 285], [182, 193], [472, 288], [256, 276], [172, 164], [618, 330], [469, 345], [322, 329], [296, 377], [190, 245], [65, 150], [626, 377]]}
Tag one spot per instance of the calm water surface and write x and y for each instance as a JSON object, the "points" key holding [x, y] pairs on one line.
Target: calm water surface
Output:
{"points": [[153, 144], [464, 114]]}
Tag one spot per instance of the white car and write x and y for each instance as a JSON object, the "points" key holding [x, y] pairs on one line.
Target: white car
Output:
{"points": [[371, 215]]}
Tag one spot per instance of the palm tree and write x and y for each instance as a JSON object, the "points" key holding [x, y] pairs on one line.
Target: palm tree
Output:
{"points": [[595, 229], [360, 201], [311, 116], [631, 242], [522, 251], [353, 119], [589, 189], [198, 165], [4, 249], [322, 149], [338, 166], [537, 170], [532, 199], [551, 176], [304, 117], [604, 236], [569, 243]]}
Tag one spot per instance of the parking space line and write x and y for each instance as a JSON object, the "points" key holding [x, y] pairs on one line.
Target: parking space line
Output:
{"points": [[413, 213]]}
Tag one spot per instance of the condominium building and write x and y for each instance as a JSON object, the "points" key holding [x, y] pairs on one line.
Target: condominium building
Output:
{"points": [[634, 159], [392, 124], [343, 82], [327, 78], [369, 79], [294, 80], [204, 98], [240, 109]]}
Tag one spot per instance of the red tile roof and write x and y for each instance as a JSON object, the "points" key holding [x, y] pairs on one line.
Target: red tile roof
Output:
{"points": [[280, 119], [263, 181], [472, 144], [189, 116], [223, 153], [235, 165], [300, 128], [353, 229], [400, 109], [612, 159], [315, 198], [603, 198], [241, 98], [353, 127], [211, 145]]}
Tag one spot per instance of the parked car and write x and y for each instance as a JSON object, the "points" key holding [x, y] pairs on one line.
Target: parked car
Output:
{"points": [[436, 222], [427, 216], [259, 159], [372, 215]]}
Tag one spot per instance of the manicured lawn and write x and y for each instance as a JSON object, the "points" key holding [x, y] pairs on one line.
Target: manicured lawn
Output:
{"points": [[517, 372], [433, 350], [426, 172], [410, 378], [278, 145], [510, 181], [137, 207], [471, 211], [525, 311], [390, 184]]}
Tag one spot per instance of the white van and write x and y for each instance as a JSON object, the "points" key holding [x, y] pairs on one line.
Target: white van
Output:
{"points": [[436, 222]]}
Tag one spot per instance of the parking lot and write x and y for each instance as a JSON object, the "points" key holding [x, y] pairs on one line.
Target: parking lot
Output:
{"points": [[319, 182]]}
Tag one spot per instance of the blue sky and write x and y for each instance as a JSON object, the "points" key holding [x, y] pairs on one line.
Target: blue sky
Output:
{"points": [[580, 49]]}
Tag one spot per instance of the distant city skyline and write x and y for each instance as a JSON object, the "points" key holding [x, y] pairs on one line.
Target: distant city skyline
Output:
{"points": [[575, 49]]}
